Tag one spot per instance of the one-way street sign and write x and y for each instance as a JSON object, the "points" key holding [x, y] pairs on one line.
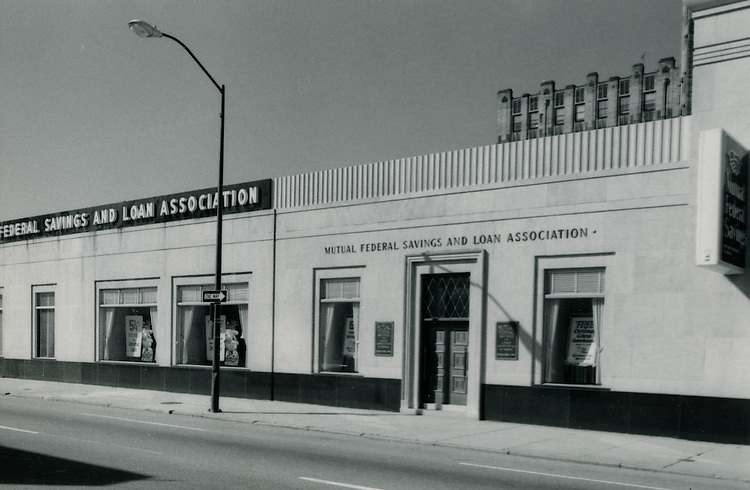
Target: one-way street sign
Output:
{"points": [[215, 296]]}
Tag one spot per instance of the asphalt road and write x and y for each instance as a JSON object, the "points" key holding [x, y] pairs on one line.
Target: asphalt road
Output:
{"points": [[45, 443]]}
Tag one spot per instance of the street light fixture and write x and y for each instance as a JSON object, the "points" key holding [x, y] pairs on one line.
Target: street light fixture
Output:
{"points": [[144, 29]]}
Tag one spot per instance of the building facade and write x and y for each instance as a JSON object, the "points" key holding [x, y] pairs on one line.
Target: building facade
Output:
{"points": [[593, 278]]}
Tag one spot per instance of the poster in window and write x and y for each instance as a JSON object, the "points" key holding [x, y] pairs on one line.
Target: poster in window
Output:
{"points": [[506, 341], [384, 339], [210, 337], [582, 342], [350, 338], [133, 335]]}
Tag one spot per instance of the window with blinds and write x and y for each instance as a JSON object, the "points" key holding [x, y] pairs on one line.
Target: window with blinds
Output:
{"points": [[574, 282], [340, 289], [573, 313]]}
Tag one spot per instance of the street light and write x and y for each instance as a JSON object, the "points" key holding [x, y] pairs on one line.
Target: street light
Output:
{"points": [[144, 29]]}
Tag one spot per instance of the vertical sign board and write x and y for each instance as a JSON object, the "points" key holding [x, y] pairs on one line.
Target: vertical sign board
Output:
{"points": [[506, 341], [722, 203], [384, 339]]}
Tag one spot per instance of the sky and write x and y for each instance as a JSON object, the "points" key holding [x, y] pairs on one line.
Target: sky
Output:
{"points": [[91, 114]]}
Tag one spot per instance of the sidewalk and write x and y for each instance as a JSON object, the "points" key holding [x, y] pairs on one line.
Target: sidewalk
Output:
{"points": [[731, 462]]}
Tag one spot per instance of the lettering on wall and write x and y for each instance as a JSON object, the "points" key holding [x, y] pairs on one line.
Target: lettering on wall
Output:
{"points": [[453, 241], [252, 196]]}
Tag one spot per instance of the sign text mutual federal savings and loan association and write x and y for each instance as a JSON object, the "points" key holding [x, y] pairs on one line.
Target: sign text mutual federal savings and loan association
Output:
{"points": [[452, 241], [237, 198]]}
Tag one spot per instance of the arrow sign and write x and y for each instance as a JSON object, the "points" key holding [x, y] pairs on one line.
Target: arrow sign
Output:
{"points": [[215, 296]]}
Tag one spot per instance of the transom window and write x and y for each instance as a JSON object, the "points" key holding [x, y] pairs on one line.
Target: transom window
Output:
{"points": [[446, 296]]}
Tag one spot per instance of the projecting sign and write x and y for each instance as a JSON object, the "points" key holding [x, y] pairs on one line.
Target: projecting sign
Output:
{"points": [[215, 296], [722, 203]]}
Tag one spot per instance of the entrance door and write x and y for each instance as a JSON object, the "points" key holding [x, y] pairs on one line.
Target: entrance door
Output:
{"points": [[445, 334]]}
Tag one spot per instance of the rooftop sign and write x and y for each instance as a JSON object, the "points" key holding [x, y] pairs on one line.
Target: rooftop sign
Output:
{"points": [[238, 198]]}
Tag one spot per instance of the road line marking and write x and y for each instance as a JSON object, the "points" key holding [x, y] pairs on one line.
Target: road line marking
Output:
{"points": [[18, 430], [538, 473], [144, 422], [107, 444], [337, 484]]}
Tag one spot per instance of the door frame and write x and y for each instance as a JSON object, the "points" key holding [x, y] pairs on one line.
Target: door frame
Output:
{"points": [[473, 262]]}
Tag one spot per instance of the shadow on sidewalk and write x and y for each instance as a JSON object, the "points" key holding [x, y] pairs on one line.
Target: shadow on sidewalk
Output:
{"points": [[27, 468]]}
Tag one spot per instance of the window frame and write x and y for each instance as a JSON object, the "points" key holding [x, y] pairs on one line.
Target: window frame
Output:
{"points": [[208, 282], [545, 264], [124, 285], [36, 291], [319, 276]]}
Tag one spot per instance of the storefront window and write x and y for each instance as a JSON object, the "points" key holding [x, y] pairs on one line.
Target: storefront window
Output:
{"points": [[44, 321], [339, 325], [127, 321], [195, 325], [573, 306]]}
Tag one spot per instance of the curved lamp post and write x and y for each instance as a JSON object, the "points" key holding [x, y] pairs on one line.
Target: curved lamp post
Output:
{"points": [[144, 29]]}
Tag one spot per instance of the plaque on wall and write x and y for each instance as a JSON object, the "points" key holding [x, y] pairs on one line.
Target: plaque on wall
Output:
{"points": [[506, 341], [384, 339]]}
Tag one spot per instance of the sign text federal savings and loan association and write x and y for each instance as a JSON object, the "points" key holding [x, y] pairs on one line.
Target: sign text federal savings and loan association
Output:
{"points": [[237, 198]]}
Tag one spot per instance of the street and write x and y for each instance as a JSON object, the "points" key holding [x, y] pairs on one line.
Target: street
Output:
{"points": [[45, 443]]}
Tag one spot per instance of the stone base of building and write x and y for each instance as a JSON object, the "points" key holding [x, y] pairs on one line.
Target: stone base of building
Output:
{"points": [[331, 390], [723, 420]]}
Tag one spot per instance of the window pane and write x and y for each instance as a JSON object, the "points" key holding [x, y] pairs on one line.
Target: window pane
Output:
{"points": [[571, 340], [601, 91], [625, 86], [238, 292], [338, 336], [624, 105], [110, 296], [148, 296], [45, 299], [127, 333], [533, 103], [189, 294], [579, 95], [45, 333]]}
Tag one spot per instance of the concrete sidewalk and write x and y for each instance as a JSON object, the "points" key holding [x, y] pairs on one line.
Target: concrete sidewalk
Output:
{"points": [[731, 462]]}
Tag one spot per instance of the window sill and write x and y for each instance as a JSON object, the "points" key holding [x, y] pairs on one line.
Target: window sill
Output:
{"points": [[340, 373], [574, 386], [142, 363]]}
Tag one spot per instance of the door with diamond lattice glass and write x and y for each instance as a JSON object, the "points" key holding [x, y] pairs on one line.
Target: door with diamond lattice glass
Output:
{"points": [[445, 334]]}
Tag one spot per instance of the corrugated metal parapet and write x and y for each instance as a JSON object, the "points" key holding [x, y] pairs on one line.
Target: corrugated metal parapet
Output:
{"points": [[611, 148]]}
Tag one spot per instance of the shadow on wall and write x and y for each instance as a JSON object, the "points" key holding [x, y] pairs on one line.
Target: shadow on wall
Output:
{"points": [[524, 336], [742, 281]]}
